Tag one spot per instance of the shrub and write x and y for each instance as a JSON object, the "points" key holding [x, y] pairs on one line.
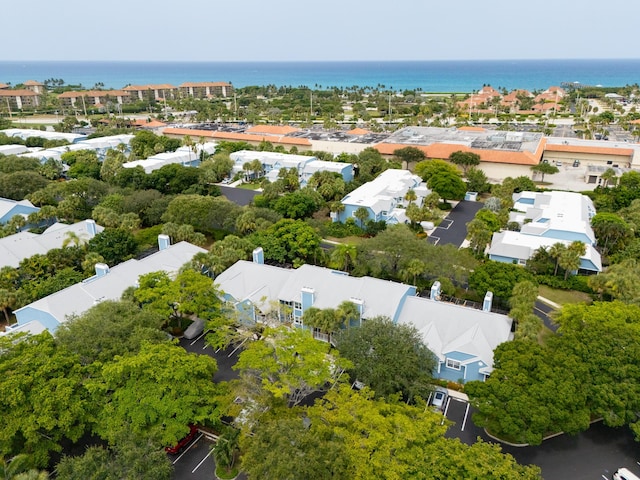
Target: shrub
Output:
{"points": [[444, 206]]}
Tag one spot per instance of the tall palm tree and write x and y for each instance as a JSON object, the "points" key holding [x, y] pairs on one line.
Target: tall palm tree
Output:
{"points": [[343, 256], [555, 251], [412, 269], [410, 196]]}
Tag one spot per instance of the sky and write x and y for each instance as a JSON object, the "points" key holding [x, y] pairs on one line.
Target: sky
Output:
{"points": [[327, 30]]}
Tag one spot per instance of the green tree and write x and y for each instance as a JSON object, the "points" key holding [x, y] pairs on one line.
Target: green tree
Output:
{"points": [[544, 168], [408, 155], [389, 358], [114, 245], [611, 231], [299, 204], [448, 185], [570, 259], [109, 329], [362, 214], [155, 393], [43, 396], [465, 160], [289, 241], [342, 256], [290, 364], [477, 180], [497, 277]]}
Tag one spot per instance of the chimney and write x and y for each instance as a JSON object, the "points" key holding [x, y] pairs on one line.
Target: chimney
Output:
{"points": [[488, 300], [101, 269], [435, 291], [308, 297], [90, 225], [258, 256], [164, 241]]}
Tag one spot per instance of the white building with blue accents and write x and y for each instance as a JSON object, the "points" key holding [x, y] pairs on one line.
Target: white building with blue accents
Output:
{"points": [[384, 197], [546, 218]]}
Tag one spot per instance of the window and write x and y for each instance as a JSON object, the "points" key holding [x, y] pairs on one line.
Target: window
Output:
{"points": [[297, 306], [453, 364]]}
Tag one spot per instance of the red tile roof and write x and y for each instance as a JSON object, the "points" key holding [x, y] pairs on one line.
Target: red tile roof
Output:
{"points": [[358, 131], [205, 84], [241, 137], [17, 93], [272, 129]]}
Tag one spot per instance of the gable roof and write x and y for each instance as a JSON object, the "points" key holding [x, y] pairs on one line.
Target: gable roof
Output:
{"points": [[17, 247], [447, 328], [263, 284], [78, 298], [7, 205]]}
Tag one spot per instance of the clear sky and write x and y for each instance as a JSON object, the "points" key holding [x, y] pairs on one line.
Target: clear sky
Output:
{"points": [[281, 30]]}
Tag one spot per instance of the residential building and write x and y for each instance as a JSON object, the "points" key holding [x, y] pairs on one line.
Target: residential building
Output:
{"points": [[148, 93], [9, 208], [260, 292], [21, 99], [13, 149], [107, 284], [384, 197], [25, 133], [34, 86], [273, 162], [546, 218], [186, 156], [462, 339], [94, 98], [100, 145], [206, 89], [25, 244]]}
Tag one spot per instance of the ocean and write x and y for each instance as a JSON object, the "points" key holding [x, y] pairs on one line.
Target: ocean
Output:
{"points": [[428, 76]]}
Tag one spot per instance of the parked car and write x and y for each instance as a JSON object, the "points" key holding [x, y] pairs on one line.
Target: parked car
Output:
{"points": [[184, 442], [439, 398], [624, 474], [195, 329]]}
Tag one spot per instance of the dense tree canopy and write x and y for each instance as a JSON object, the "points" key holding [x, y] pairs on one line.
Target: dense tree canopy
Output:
{"points": [[389, 358]]}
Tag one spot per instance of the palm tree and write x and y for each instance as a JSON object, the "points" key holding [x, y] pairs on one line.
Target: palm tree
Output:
{"points": [[412, 269], [343, 255], [609, 177], [348, 312], [7, 301], [72, 238], [555, 251], [337, 208], [410, 196], [361, 214], [226, 448], [11, 468]]}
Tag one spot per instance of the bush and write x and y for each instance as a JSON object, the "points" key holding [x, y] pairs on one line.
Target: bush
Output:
{"points": [[340, 230], [575, 282], [444, 206]]}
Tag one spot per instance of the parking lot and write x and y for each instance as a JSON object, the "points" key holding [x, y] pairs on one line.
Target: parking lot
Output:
{"points": [[594, 454]]}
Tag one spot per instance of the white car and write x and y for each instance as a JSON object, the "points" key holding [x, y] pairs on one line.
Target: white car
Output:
{"points": [[439, 398]]}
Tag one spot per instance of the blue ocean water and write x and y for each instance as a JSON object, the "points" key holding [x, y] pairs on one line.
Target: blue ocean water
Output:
{"points": [[430, 76]]}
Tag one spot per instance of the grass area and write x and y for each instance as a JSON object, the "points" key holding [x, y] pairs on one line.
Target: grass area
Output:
{"points": [[352, 240], [249, 186], [563, 296]]}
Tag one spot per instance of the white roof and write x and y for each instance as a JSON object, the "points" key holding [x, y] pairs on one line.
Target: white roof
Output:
{"points": [[522, 246], [446, 328], [25, 133], [322, 165], [555, 210], [80, 297], [17, 247], [6, 205], [182, 155], [379, 194], [285, 160], [263, 284], [12, 149], [33, 327]]}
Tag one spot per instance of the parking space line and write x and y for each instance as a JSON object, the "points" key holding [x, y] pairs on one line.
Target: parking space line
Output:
{"points": [[437, 239], [188, 448], [202, 461], [464, 420], [446, 409]]}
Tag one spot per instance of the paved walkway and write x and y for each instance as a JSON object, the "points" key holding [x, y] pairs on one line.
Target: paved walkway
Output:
{"points": [[453, 229]]}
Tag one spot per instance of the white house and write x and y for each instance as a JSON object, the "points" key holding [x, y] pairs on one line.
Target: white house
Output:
{"points": [[9, 208], [107, 284], [99, 145], [462, 339], [185, 156], [21, 245], [273, 162], [25, 133], [384, 197], [546, 218]]}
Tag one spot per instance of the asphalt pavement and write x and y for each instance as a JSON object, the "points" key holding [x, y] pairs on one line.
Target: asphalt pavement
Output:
{"points": [[453, 229], [240, 196]]}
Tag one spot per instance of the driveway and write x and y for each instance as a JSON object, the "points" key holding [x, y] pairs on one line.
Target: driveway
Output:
{"points": [[240, 196], [594, 454], [453, 229]]}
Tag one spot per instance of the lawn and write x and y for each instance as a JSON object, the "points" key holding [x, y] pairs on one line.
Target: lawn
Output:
{"points": [[249, 186], [563, 296]]}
